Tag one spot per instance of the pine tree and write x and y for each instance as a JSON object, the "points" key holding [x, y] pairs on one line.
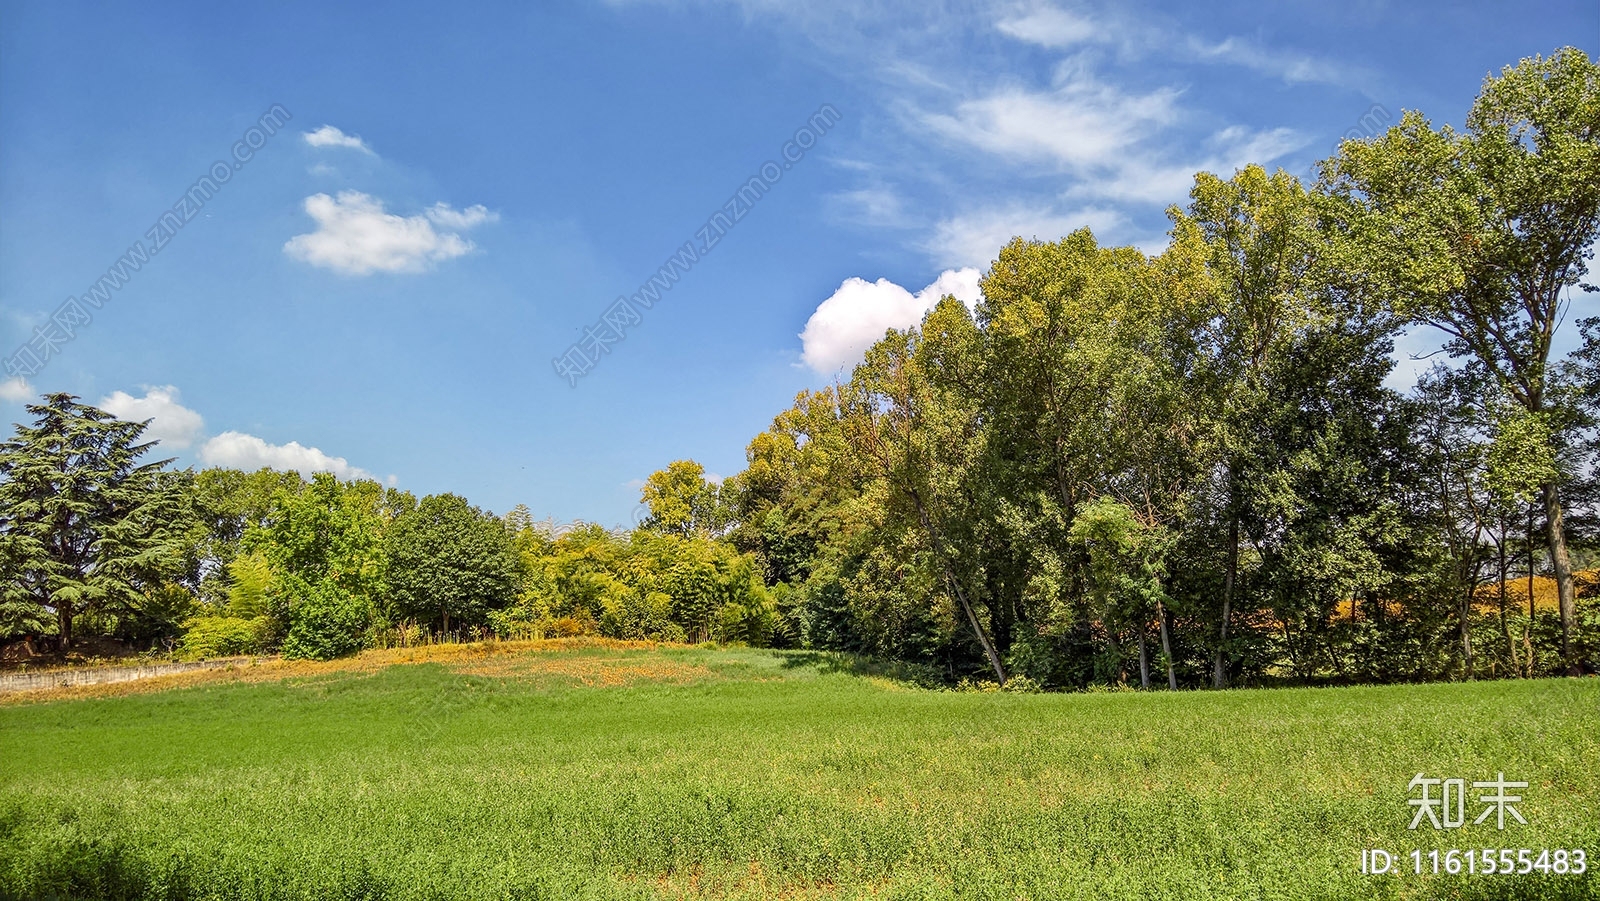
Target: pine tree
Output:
{"points": [[84, 526]]}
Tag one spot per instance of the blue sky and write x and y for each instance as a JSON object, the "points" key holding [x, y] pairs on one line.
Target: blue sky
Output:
{"points": [[459, 192]]}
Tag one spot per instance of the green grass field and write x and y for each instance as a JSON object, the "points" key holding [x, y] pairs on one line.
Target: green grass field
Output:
{"points": [[601, 772]]}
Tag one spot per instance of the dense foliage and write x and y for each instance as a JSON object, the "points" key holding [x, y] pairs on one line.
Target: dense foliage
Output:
{"points": [[1187, 468], [83, 524], [1192, 463]]}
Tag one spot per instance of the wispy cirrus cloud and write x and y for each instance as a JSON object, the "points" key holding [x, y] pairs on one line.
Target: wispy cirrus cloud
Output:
{"points": [[1290, 66], [1063, 28], [1147, 180], [1116, 150], [876, 206], [1078, 125], [1054, 27], [1068, 113], [974, 237]]}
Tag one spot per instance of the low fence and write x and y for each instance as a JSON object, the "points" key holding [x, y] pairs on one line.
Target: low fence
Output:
{"points": [[97, 675]]}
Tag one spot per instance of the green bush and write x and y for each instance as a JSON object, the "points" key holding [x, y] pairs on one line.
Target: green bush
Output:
{"points": [[751, 622], [325, 623], [1034, 656], [640, 616], [251, 583], [222, 636]]}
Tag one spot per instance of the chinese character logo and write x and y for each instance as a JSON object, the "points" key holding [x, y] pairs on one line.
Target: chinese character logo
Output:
{"points": [[1499, 803], [1447, 809]]}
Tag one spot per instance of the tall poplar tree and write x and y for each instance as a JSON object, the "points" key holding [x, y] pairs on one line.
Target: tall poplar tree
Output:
{"points": [[1483, 233]]}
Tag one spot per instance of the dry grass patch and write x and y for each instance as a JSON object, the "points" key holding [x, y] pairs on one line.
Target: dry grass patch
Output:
{"points": [[597, 662], [589, 671]]}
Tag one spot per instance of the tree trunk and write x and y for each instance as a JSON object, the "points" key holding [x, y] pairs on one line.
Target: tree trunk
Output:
{"points": [[1562, 564], [1166, 646], [1219, 662], [961, 596], [64, 623], [1471, 593], [1144, 661], [1505, 626], [977, 627], [1527, 634]]}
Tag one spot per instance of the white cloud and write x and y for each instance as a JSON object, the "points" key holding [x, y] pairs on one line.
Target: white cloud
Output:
{"points": [[975, 238], [876, 207], [356, 236], [858, 314], [177, 426], [1293, 68], [238, 450], [328, 136], [1144, 36], [1142, 180], [1079, 125], [171, 423], [1104, 137], [16, 389], [1048, 26], [474, 215]]}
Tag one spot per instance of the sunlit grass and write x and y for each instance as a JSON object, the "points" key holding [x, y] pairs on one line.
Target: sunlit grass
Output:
{"points": [[622, 771]]}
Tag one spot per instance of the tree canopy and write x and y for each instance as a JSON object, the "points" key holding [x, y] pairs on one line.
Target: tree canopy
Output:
{"points": [[85, 527]]}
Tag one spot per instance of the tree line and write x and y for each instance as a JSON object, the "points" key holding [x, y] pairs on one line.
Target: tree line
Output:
{"points": [[1177, 470], [220, 562]]}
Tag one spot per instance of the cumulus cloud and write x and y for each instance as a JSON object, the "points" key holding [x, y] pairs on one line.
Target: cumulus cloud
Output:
{"points": [[328, 136], [238, 450], [356, 236], [171, 423], [177, 426], [16, 389], [858, 314]]}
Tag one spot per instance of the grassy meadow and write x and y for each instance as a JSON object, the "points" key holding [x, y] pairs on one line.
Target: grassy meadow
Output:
{"points": [[606, 770]]}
